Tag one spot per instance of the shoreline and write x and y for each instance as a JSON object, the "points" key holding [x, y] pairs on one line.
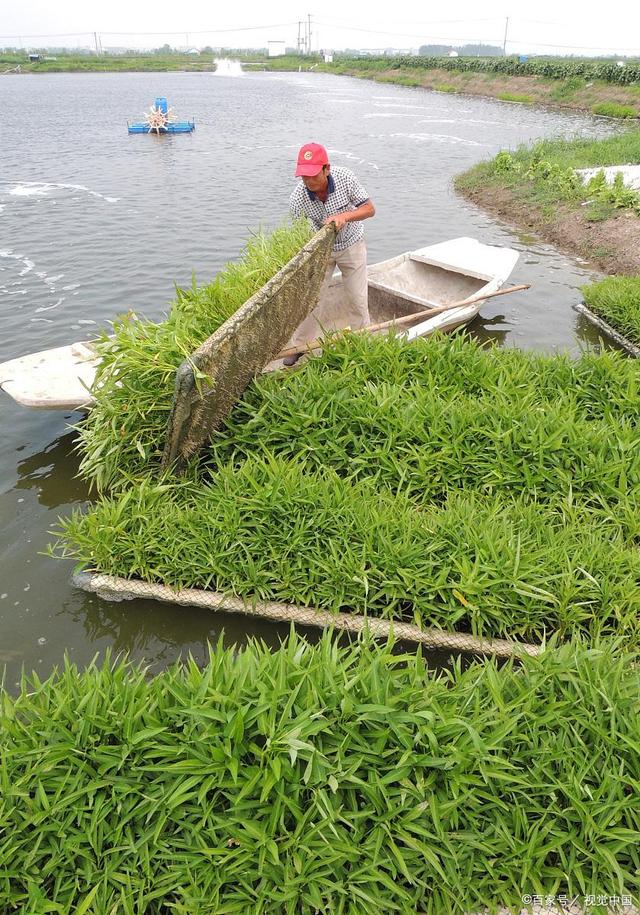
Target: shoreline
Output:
{"points": [[612, 246], [596, 97], [558, 94]]}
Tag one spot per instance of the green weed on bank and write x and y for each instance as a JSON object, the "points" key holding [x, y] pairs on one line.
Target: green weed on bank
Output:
{"points": [[616, 299], [545, 174], [124, 432], [320, 779]]}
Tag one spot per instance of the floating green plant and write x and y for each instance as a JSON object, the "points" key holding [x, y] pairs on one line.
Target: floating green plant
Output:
{"points": [[321, 779], [269, 529], [123, 434], [435, 481], [617, 300]]}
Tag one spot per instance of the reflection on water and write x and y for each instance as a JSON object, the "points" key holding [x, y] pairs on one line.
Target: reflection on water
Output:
{"points": [[89, 230], [53, 473]]}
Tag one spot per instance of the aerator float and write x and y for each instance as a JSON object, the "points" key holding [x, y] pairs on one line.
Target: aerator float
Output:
{"points": [[161, 119]]}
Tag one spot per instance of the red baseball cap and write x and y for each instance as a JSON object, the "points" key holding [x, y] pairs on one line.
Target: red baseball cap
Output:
{"points": [[311, 158]]}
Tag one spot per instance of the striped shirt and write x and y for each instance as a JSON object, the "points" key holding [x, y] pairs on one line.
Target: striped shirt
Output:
{"points": [[345, 193]]}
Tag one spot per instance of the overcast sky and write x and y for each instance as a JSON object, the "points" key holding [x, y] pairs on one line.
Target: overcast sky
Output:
{"points": [[554, 27]]}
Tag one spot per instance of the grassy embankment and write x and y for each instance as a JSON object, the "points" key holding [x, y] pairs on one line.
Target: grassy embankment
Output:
{"points": [[601, 88], [319, 779], [106, 63], [536, 187]]}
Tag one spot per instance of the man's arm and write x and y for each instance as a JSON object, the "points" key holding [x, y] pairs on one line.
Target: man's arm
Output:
{"points": [[365, 211]]}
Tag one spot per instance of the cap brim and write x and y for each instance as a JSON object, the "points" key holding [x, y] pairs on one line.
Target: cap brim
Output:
{"points": [[308, 170]]}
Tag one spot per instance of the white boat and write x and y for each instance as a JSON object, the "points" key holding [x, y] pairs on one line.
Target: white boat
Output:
{"points": [[411, 283]]}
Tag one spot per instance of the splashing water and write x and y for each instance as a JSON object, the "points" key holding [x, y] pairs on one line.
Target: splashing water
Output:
{"points": [[225, 67]]}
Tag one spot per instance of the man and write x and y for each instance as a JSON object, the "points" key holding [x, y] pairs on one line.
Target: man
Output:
{"points": [[324, 196]]}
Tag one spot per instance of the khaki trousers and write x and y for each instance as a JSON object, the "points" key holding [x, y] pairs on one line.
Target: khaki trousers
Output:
{"points": [[352, 308]]}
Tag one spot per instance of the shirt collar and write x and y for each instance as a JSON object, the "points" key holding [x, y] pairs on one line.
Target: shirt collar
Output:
{"points": [[331, 186]]}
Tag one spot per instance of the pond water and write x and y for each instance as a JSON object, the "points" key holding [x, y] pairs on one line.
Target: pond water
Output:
{"points": [[94, 222]]}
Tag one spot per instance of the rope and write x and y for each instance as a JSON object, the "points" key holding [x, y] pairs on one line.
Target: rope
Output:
{"points": [[110, 587]]}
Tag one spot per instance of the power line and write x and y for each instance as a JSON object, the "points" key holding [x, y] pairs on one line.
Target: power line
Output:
{"points": [[247, 28]]}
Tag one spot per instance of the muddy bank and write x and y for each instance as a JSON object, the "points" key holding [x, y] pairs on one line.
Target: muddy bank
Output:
{"points": [[575, 93], [612, 245]]}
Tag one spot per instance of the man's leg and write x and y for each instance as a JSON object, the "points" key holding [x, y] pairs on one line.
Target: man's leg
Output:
{"points": [[352, 263], [311, 327]]}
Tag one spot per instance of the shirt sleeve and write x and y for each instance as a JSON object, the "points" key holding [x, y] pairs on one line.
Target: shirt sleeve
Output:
{"points": [[357, 191], [295, 204]]}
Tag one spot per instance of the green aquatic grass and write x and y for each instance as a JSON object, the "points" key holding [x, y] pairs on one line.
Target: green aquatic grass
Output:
{"points": [[617, 300], [320, 779], [271, 529], [483, 490], [123, 435], [436, 416]]}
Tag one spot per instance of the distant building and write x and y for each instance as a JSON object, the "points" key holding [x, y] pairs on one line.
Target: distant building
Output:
{"points": [[34, 58], [276, 48], [328, 57], [453, 54]]}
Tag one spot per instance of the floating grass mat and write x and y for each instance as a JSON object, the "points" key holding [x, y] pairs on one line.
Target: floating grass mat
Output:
{"points": [[124, 434], [613, 304], [434, 483], [321, 779]]}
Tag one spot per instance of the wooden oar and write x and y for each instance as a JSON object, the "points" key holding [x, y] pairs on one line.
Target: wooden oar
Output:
{"points": [[406, 319]]}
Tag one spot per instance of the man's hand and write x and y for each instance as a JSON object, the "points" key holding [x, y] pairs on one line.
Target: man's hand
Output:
{"points": [[365, 211], [340, 219]]}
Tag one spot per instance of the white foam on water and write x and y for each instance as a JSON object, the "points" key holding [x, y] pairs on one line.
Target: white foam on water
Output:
{"points": [[41, 320], [22, 190], [350, 155], [42, 308], [43, 189], [390, 114], [437, 138], [28, 266], [267, 146]]}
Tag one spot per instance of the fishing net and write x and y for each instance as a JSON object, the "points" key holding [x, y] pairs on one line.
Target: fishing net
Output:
{"points": [[211, 379]]}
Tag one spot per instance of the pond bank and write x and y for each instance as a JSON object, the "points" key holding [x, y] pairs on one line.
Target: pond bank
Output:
{"points": [[575, 93], [537, 188]]}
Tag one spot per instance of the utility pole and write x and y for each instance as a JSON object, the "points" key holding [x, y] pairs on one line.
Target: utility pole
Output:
{"points": [[506, 29], [95, 38], [299, 46], [309, 42]]}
